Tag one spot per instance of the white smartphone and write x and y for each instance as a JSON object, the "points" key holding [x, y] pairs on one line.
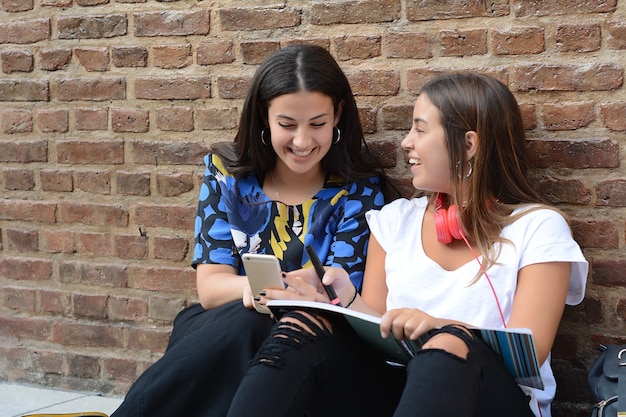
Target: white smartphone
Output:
{"points": [[263, 272]]}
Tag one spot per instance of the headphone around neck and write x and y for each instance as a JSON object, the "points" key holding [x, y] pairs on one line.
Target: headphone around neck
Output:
{"points": [[447, 222]]}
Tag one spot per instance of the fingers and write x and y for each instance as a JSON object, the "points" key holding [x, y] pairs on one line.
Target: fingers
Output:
{"points": [[405, 323]]}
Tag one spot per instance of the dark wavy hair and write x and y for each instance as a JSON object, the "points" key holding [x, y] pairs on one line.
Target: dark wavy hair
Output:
{"points": [[295, 68]]}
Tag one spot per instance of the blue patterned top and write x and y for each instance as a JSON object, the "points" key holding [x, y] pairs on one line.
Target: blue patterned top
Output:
{"points": [[237, 217]]}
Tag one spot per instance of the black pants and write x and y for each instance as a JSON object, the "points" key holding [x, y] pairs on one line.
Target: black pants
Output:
{"points": [[207, 355], [337, 375]]}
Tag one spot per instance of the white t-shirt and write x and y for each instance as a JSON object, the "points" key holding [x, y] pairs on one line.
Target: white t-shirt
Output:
{"points": [[415, 280]]}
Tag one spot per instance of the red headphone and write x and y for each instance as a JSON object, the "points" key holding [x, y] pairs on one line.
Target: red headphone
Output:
{"points": [[447, 222]]}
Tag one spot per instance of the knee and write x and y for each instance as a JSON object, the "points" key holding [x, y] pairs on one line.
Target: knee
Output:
{"points": [[450, 341]]}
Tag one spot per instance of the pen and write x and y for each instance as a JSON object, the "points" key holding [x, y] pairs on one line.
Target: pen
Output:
{"points": [[319, 268]]}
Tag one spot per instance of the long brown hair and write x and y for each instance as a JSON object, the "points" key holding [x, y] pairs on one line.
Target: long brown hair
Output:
{"points": [[498, 182]]}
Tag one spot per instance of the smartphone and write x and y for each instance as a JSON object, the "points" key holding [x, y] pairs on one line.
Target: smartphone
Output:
{"points": [[263, 272]]}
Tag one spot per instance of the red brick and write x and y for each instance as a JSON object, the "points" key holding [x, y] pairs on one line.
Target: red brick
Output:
{"points": [[614, 115], [611, 193], [172, 56], [165, 309], [97, 182], [163, 279], [17, 61], [90, 152], [92, 214], [56, 180], [91, 118], [578, 38], [170, 185], [131, 247], [591, 153], [608, 272], [174, 217], [56, 120], [592, 233], [90, 89], [119, 369], [215, 52], [133, 183], [407, 45], [25, 31], [125, 308], [374, 82], [463, 42], [568, 116], [173, 88], [16, 121], [563, 190], [57, 241], [55, 59], [171, 248], [83, 366], [418, 10], [92, 27], [172, 23], [173, 153], [24, 90], [26, 269], [560, 7], [91, 2], [25, 328], [251, 19], [396, 117], [367, 117], [357, 47], [93, 58], [24, 151], [152, 340], [129, 56], [518, 40], [616, 38], [32, 211], [17, 5], [178, 119], [22, 240], [18, 179], [94, 244], [217, 118], [90, 306], [554, 77], [105, 275], [130, 120], [365, 11], [255, 51], [22, 299], [233, 87]]}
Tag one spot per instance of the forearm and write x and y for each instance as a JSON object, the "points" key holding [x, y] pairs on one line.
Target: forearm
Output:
{"points": [[218, 285]]}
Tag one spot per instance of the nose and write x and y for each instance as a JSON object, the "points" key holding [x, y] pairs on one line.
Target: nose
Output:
{"points": [[301, 138], [407, 142]]}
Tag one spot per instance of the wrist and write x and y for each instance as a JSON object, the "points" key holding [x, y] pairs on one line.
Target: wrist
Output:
{"points": [[352, 298]]}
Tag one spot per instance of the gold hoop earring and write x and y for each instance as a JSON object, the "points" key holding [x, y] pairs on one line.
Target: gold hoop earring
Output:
{"points": [[338, 138], [263, 140]]}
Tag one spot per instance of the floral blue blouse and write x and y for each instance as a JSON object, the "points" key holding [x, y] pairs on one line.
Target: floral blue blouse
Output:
{"points": [[237, 217]]}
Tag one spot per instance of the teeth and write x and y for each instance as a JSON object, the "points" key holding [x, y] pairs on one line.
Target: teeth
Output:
{"points": [[414, 161], [301, 153]]}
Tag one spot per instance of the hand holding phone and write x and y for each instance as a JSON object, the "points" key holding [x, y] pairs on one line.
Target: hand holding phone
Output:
{"points": [[263, 272]]}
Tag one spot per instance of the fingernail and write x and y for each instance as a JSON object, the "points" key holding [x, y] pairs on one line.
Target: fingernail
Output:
{"points": [[262, 293], [257, 298]]}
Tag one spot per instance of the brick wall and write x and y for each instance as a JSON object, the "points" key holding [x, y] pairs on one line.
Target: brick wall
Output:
{"points": [[107, 107]]}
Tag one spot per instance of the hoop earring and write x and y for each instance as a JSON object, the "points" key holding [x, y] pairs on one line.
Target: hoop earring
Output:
{"points": [[263, 140], [470, 170], [336, 141]]}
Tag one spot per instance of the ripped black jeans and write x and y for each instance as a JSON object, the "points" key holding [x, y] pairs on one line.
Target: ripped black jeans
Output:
{"points": [[324, 372]]}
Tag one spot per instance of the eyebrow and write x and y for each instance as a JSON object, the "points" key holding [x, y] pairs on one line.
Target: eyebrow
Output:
{"points": [[312, 118], [419, 119]]}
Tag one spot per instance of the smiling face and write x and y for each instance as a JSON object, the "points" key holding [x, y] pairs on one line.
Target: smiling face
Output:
{"points": [[426, 148], [301, 126]]}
